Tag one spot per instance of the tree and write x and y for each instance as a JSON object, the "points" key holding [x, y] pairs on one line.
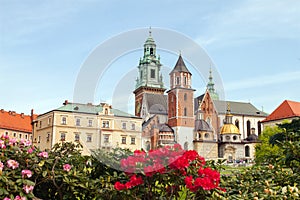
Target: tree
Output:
{"points": [[266, 152]]}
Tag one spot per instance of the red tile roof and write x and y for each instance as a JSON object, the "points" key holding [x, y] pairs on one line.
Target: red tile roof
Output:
{"points": [[13, 121], [287, 109]]}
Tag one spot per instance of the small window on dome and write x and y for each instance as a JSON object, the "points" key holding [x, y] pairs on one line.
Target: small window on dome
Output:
{"points": [[234, 137], [227, 137], [206, 135]]}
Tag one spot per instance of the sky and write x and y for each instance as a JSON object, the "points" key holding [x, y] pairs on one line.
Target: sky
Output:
{"points": [[254, 46]]}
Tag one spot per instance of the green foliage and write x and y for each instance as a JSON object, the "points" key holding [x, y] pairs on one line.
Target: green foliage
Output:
{"points": [[266, 152], [262, 182]]}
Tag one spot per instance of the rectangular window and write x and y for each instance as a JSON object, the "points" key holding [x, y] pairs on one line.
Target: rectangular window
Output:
{"points": [[48, 137], [40, 124], [152, 73], [105, 124], [64, 120], [177, 80], [20, 135], [77, 137], [89, 138], [15, 134], [77, 122], [39, 139], [132, 126], [90, 122], [124, 140], [132, 140], [106, 138], [26, 136], [123, 125], [6, 133], [185, 80], [62, 136], [49, 120]]}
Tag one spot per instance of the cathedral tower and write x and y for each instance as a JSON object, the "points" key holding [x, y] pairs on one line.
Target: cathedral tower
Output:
{"points": [[181, 104], [150, 79]]}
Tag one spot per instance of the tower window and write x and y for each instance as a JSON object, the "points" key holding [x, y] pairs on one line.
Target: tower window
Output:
{"points": [[259, 127], [151, 51], [185, 96], [248, 128], [185, 80], [177, 80], [152, 73], [185, 112], [247, 151], [237, 123]]}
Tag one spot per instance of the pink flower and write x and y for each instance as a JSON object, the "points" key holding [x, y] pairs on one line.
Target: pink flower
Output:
{"points": [[28, 188], [27, 143], [2, 144], [12, 164], [12, 141], [1, 166], [20, 198], [67, 167], [6, 198], [43, 154], [26, 173], [30, 150]]}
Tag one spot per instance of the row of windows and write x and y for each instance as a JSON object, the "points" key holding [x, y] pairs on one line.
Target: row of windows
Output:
{"points": [[20, 135], [185, 80], [124, 138]]}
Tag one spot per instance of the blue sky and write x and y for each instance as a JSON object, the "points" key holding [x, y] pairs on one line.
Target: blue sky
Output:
{"points": [[254, 44]]}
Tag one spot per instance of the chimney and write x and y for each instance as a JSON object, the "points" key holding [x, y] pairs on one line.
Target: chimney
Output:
{"points": [[22, 115], [31, 115], [66, 102], [2, 110]]}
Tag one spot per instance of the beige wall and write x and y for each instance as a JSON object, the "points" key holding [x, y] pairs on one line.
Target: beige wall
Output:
{"points": [[16, 134], [93, 131]]}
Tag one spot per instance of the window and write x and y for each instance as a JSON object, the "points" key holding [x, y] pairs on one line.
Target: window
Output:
{"points": [[185, 96], [105, 124], [15, 134], [77, 137], [177, 80], [206, 135], [6, 133], [48, 137], [106, 111], [62, 136], [40, 124], [227, 137], [141, 75], [123, 125], [248, 128], [152, 73], [259, 127], [89, 138], [185, 80], [106, 138], [26, 136], [49, 120], [247, 151], [132, 126], [39, 139], [20, 135], [133, 140], [90, 122], [151, 51], [64, 120], [77, 122], [237, 123], [123, 140], [185, 111], [234, 137]]}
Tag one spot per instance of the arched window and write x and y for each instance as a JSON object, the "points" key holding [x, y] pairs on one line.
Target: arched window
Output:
{"points": [[248, 128], [259, 127], [237, 123], [185, 112], [151, 51], [247, 151]]}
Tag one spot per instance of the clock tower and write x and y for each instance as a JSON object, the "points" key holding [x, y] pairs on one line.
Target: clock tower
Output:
{"points": [[149, 79]]}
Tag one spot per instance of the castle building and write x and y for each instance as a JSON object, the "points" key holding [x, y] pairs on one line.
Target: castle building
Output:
{"points": [[194, 122], [94, 126], [16, 125]]}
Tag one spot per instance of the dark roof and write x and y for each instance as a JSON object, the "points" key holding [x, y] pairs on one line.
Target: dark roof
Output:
{"points": [[145, 123], [238, 108], [180, 66], [285, 110], [202, 125], [196, 102], [252, 138], [165, 128], [157, 103]]}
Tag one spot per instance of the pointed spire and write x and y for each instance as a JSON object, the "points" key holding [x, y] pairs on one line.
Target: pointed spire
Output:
{"points": [[180, 65], [211, 86], [228, 116]]}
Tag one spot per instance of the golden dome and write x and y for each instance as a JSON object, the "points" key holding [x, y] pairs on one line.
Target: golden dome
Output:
{"points": [[229, 129]]}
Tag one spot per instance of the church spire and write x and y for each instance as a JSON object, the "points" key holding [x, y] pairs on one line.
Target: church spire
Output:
{"points": [[211, 87]]}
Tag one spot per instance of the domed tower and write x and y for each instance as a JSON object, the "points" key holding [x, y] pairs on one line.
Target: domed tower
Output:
{"points": [[150, 79], [230, 139], [181, 104]]}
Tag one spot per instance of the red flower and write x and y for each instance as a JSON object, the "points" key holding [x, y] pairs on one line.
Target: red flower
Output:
{"points": [[119, 186]]}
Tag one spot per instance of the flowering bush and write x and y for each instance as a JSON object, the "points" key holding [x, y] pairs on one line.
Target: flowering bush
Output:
{"points": [[167, 172]]}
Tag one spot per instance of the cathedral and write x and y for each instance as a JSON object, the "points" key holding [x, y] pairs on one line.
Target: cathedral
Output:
{"points": [[214, 128]]}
